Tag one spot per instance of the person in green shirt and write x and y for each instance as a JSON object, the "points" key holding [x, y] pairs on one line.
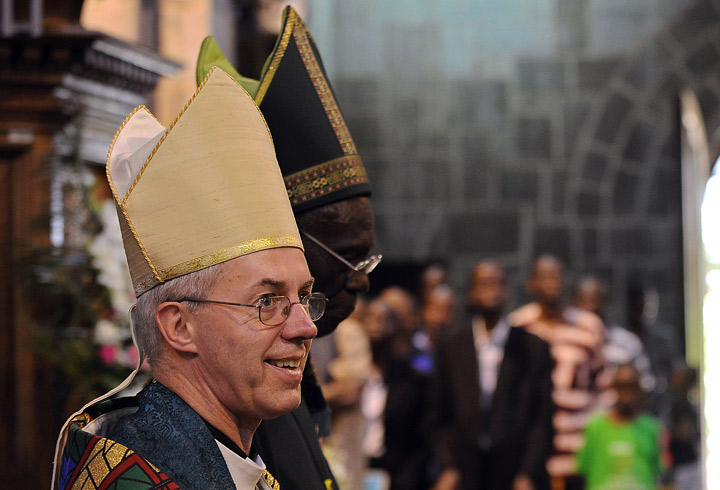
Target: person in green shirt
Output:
{"points": [[622, 449]]}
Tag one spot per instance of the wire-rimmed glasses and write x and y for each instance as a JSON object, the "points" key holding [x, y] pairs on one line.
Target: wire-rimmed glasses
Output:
{"points": [[274, 310], [365, 266]]}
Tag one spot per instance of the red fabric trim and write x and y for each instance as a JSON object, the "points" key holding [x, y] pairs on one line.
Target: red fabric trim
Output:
{"points": [[81, 463]]}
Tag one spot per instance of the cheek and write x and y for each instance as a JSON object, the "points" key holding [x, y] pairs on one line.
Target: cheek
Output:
{"points": [[331, 282], [341, 304], [238, 348], [329, 273]]}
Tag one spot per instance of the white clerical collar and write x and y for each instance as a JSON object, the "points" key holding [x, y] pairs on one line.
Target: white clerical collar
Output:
{"points": [[245, 472]]}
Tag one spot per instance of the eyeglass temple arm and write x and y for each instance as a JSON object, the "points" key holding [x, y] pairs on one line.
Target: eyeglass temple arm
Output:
{"points": [[329, 250]]}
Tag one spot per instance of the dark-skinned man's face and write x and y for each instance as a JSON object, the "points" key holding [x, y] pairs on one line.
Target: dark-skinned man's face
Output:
{"points": [[589, 296], [547, 282], [488, 293], [347, 228]]}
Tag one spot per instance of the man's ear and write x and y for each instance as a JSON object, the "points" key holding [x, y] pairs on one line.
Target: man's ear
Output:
{"points": [[177, 326]]}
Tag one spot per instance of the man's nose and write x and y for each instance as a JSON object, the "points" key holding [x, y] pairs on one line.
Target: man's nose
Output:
{"points": [[298, 324]]}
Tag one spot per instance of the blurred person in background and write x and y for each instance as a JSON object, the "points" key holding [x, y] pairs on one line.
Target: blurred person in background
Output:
{"points": [[437, 313], [432, 275], [405, 310], [347, 369], [411, 343], [622, 448], [437, 317], [621, 345], [661, 343], [393, 400], [490, 408], [684, 429], [576, 338]]}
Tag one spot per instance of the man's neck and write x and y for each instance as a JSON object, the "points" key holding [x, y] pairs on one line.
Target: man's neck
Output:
{"points": [[226, 441], [551, 313], [204, 402], [622, 417], [490, 318]]}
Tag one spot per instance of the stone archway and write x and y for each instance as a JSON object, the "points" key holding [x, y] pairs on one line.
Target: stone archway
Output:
{"points": [[624, 193]]}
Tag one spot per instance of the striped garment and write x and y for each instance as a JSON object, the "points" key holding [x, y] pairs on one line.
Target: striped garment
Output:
{"points": [[576, 346]]}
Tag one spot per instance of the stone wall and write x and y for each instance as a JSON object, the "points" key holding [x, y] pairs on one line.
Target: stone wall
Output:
{"points": [[572, 149]]}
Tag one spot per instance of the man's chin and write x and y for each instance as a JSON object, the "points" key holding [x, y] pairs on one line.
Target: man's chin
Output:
{"points": [[288, 405]]}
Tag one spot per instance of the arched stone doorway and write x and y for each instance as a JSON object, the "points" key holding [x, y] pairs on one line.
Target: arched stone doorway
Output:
{"points": [[625, 178], [624, 192]]}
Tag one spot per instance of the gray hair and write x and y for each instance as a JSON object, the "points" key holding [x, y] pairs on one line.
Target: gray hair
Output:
{"points": [[194, 285]]}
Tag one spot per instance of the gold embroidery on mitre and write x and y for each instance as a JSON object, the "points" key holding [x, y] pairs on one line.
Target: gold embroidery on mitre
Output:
{"points": [[279, 53], [327, 177], [112, 145], [302, 40], [121, 202], [146, 285], [110, 150], [141, 281], [294, 26], [226, 254]]}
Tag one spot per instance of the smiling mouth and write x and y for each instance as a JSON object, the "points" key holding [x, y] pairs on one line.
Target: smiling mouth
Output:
{"points": [[285, 363]]}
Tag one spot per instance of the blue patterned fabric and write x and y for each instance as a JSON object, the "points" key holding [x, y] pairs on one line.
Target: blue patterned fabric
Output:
{"points": [[169, 434], [68, 466]]}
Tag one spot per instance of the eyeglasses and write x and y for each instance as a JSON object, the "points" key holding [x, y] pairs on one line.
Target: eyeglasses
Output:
{"points": [[274, 310], [365, 266]]}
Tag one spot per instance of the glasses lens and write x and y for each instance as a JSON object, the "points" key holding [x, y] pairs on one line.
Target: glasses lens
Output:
{"points": [[368, 265], [274, 310], [314, 304]]}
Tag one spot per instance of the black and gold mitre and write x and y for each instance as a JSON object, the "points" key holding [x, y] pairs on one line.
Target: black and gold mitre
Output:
{"points": [[316, 153]]}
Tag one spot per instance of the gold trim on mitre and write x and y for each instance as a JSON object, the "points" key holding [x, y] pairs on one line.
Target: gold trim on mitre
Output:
{"points": [[322, 88], [295, 27], [277, 56], [205, 190], [324, 178]]}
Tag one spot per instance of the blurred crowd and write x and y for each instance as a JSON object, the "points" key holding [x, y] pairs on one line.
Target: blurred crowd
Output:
{"points": [[436, 388]]}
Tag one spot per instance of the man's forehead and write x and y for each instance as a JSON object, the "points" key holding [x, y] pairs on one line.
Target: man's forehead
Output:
{"points": [[488, 271], [345, 221], [547, 265], [440, 295], [278, 284], [356, 211], [276, 265]]}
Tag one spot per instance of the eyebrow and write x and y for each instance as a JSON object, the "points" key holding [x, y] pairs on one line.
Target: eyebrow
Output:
{"points": [[279, 285]]}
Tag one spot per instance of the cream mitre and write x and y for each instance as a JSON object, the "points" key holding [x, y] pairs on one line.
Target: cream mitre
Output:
{"points": [[205, 190]]}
